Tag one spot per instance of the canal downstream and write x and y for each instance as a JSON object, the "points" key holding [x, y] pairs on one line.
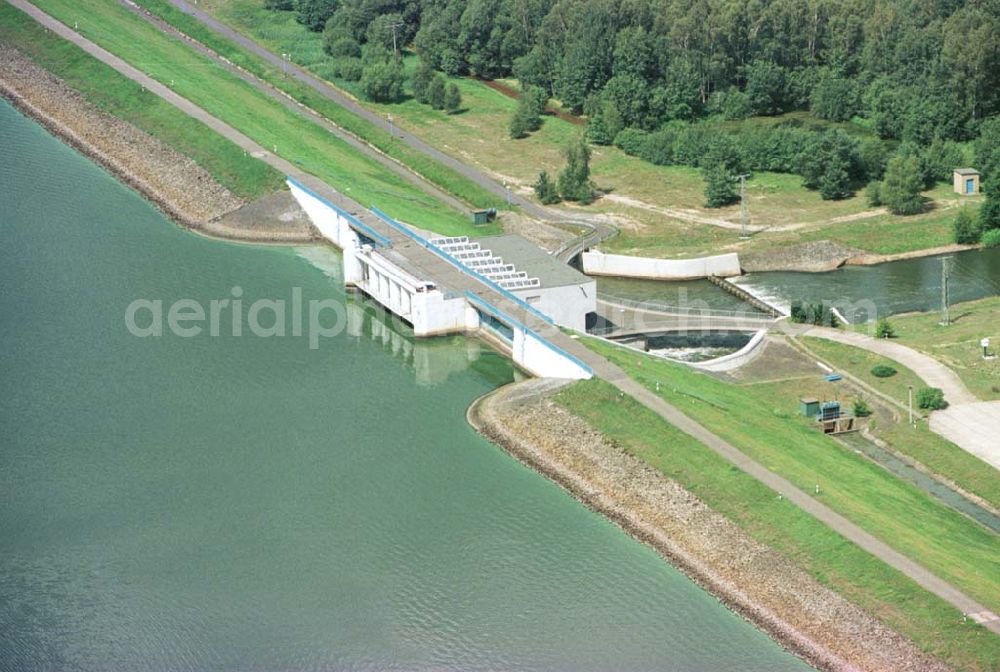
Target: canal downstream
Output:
{"points": [[894, 287], [237, 503]]}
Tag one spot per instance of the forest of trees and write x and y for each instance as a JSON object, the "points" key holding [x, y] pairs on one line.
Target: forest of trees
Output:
{"points": [[916, 69], [920, 74]]}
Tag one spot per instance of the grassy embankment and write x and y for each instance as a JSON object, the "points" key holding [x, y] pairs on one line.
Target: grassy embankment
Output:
{"points": [[377, 136], [645, 198], [764, 423], [957, 345], [104, 87], [934, 625], [935, 452], [264, 120]]}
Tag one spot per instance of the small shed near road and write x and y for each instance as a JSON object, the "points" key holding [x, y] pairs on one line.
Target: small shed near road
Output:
{"points": [[966, 181]]}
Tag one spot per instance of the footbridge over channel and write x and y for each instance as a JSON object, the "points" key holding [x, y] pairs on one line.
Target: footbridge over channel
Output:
{"points": [[425, 285], [619, 317]]}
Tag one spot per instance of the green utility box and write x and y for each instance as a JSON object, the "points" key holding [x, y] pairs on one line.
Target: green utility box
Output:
{"points": [[483, 217], [809, 407]]}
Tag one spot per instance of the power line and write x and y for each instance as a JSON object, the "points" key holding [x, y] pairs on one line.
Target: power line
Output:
{"points": [[982, 279]]}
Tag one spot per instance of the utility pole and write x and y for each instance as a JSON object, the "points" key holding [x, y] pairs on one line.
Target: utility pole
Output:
{"points": [[744, 210], [394, 26], [911, 404], [945, 276]]}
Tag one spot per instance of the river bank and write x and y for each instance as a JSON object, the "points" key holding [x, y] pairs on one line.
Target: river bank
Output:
{"points": [[753, 580], [825, 255], [176, 184]]}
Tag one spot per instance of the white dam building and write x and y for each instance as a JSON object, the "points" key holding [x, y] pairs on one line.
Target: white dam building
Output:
{"points": [[524, 269], [456, 285]]}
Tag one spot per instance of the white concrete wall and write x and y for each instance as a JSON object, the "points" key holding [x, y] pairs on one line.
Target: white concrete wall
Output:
{"points": [[324, 218], [567, 306], [434, 314], [535, 355], [734, 360], [598, 263]]}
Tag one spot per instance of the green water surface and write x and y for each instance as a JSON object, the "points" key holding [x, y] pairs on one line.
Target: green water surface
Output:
{"points": [[246, 503]]}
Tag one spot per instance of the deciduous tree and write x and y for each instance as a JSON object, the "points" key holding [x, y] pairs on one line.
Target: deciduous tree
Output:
{"points": [[900, 190]]}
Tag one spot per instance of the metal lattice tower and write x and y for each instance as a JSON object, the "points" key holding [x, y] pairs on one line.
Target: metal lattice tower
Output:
{"points": [[945, 276]]}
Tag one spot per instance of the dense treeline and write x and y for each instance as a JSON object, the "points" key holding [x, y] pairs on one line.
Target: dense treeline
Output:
{"points": [[916, 69], [921, 74]]}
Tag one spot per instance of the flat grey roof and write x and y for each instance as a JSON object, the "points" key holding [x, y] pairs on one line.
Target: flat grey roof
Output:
{"points": [[533, 260], [966, 171]]}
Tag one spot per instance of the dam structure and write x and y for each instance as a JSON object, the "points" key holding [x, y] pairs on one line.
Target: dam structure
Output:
{"points": [[444, 286]]}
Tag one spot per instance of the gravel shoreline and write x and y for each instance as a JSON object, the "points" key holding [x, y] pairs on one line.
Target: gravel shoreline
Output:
{"points": [[176, 184], [753, 580]]}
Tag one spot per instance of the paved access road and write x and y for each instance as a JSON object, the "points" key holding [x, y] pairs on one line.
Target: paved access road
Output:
{"points": [[452, 278]]}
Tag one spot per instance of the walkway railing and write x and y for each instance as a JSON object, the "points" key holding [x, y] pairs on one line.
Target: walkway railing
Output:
{"points": [[656, 307]]}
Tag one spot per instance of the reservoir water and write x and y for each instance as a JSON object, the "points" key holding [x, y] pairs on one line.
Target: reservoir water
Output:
{"points": [[247, 503]]}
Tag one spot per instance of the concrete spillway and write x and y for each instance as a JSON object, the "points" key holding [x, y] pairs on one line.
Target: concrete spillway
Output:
{"points": [[434, 292]]}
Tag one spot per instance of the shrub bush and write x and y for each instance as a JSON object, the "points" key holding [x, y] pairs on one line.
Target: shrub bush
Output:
{"points": [[883, 371], [343, 47], [884, 329], [991, 238], [452, 99], [546, 189], [658, 147], [813, 313], [861, 409], [931, 398], [966, 228], [382, 82], [631, 140], [348, 68], [873, 192]]}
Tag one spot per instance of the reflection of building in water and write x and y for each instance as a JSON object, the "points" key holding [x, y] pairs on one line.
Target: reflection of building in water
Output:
{"points": [[431, 360]]}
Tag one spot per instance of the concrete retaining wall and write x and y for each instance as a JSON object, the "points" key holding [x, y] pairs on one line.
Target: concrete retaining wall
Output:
{"points": [[531, 351], [736, 359], [598, 263], [567, 305]]}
